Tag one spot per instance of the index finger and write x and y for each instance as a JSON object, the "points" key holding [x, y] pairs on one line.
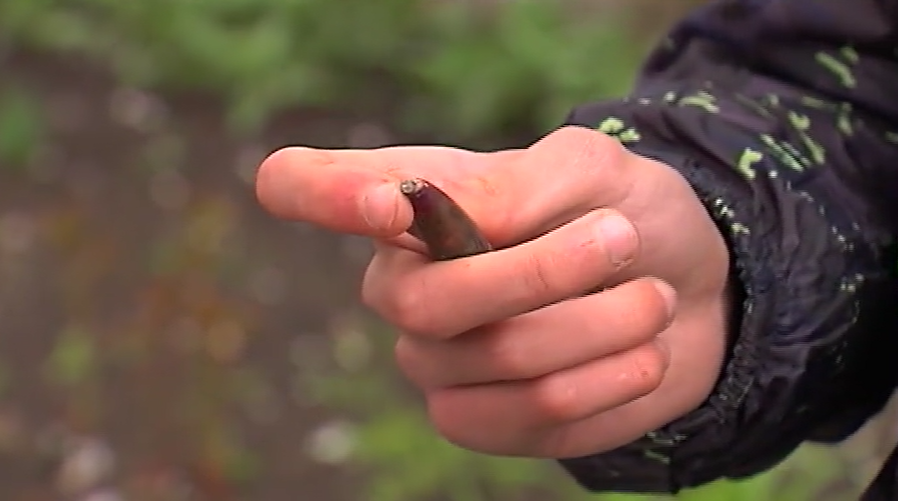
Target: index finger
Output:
{"points": [[349, 191]]}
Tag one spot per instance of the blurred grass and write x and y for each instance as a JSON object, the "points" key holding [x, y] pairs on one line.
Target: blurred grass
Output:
{"points": [[448, 71]]}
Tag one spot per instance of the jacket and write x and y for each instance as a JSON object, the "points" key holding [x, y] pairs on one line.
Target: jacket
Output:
{"points": [[783, 116]]}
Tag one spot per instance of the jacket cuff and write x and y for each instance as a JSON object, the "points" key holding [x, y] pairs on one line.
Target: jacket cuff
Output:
{"points": [[793, 373]]}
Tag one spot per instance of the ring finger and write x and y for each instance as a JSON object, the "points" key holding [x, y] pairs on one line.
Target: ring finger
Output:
{"points": [[547, 340]]}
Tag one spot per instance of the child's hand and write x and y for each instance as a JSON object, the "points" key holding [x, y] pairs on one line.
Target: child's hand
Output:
{"points": [[514, 359]]}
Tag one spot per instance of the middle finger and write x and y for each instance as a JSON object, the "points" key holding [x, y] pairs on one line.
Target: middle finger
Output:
{"points": [[440, 300]]}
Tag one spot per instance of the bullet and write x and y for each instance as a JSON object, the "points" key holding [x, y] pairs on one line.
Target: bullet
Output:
{"points": [[440, 223]]}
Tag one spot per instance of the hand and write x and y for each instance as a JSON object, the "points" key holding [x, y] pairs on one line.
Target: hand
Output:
{"points": [[513, 358]]}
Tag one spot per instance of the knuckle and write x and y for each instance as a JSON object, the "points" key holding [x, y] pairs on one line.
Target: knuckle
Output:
{"points": [[443, 412], [397, 294], [374, 290], [399, 301], [538, 274], [404, 353], [644, 369], [557, 398], [408, 361], [592, 256], [506, 354], [369, 295], [559, 442], [653, 316], [408, 309], [639, 312], [600, 158], [591, 149], [564, 264]]}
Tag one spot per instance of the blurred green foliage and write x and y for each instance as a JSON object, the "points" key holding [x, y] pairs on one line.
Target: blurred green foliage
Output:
{"points": [[21, 126], [453, 71], [456, 67]]}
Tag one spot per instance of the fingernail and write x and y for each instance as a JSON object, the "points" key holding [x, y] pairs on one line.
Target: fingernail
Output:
{"points": [[380, 206], [619, 238], [669, 294]]}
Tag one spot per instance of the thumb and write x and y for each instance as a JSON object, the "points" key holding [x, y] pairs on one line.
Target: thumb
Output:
{"points": [[351, 191]]}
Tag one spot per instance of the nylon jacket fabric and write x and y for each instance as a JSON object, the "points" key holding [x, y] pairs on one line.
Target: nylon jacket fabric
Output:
{"points": [[783, 116]]}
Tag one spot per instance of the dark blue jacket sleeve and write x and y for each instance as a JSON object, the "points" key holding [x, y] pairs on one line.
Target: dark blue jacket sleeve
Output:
{"points": [[783, 116]]}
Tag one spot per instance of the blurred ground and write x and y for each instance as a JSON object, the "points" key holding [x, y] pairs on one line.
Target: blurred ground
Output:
{"points": [[180, 301]]}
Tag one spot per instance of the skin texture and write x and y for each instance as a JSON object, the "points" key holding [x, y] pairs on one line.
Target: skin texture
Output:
{"points": [[512, 352]]}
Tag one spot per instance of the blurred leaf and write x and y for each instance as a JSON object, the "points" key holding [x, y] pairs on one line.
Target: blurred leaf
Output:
{"points": [[73, 358], [21, 127], [461, 68]]}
